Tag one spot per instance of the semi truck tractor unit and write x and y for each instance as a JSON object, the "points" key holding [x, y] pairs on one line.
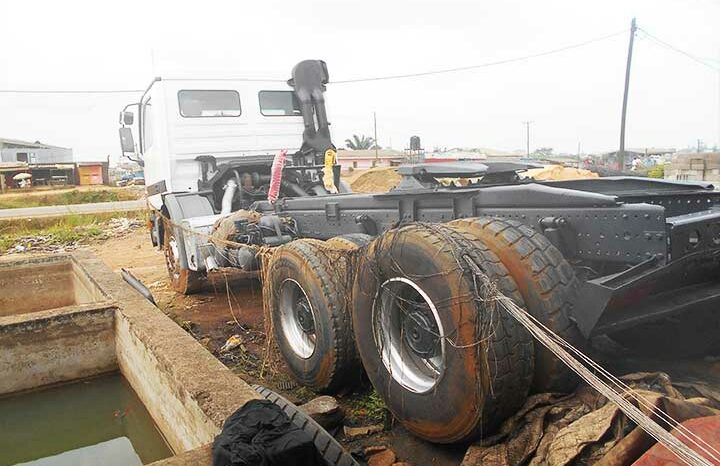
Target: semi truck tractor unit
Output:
{"points": [[399, 285]]}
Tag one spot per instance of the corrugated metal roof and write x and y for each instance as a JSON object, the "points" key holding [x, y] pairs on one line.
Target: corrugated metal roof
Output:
{"points": [[36, 144]]}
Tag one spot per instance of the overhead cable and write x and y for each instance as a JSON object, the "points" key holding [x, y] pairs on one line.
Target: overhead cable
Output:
{"points": [[486, 64], [669, 46], [348, 81]]}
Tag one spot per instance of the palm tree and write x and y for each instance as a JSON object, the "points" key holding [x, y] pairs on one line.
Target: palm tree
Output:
{"points": [[361, 142]]}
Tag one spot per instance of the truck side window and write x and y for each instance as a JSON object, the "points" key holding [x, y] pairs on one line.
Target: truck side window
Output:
{"points": [[279, 103], [209, 103], [147, 124]]}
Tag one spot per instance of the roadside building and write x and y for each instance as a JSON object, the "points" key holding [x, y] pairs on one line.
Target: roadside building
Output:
{"points": [[33, 153], [48, 165], [364, 159], [92, 173]]}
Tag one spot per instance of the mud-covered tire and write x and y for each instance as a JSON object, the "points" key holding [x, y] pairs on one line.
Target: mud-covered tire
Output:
{"points": [[545, 280], [182, 280], [306, 276], [329, 448], [349, 241], [486, 364]]}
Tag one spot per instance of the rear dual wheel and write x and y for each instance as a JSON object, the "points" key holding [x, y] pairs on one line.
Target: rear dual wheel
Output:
{"points": [[308, 292], [546, 282], [448, 365], [445, 360]]}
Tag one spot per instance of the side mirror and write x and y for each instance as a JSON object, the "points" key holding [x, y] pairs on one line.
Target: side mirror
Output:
{"points": [[127, 118], [127, 143]]}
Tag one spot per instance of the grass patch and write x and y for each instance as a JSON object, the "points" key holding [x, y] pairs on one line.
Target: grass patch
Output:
{"points": [[56, 231], [366, 408], [67, 198]]}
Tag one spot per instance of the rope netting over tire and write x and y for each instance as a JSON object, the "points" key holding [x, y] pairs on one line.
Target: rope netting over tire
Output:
{"points": [[546, 282], [306, 295], [436, 314], [448, 364]]}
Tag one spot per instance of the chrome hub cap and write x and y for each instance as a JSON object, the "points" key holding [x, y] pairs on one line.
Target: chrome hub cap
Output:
{"points": [[407, 331], [297, 320]]}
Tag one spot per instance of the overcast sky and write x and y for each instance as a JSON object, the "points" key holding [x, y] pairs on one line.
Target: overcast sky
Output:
{"points": [[571, 97]]}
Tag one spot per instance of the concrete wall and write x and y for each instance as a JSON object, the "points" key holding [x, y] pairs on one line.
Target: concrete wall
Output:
{"points": [[55, 346], [31, 285], [704, 166], [186, 390]]}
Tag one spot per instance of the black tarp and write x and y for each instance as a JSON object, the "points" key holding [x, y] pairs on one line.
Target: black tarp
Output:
{"points": [[261, 434]]}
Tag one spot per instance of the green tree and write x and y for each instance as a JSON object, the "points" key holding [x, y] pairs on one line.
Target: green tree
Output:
{"points": [[361, 142]]}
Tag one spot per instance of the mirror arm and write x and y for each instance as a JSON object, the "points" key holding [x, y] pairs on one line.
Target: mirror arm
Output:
{"points": [[140, 110], [138, 160]]}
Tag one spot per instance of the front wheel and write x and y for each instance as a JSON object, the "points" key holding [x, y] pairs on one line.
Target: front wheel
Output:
{"points": [[182, 279], [449, 364]]}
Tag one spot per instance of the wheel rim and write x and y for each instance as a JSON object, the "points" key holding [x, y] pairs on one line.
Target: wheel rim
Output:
{"points": [[171, 257], [297, 318], [407, 331]]}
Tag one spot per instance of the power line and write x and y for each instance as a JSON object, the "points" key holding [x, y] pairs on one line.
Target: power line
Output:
{"points": [[348, 81], [669, 46], [74, 91], [399, 76], [483, 65]]}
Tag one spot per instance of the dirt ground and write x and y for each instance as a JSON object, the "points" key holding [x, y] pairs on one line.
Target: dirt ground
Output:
{"points": [[232, 306]]}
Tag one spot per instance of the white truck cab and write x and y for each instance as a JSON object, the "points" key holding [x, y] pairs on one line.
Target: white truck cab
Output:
{"points": [[207, 147], [179, 120]]}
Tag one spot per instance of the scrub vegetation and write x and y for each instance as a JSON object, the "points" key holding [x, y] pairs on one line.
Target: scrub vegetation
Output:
{"points": [[74, 196], [43, 233]]}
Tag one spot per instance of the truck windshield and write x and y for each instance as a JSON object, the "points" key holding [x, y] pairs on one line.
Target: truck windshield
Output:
{"points": [[210, 103], [279, 103]]}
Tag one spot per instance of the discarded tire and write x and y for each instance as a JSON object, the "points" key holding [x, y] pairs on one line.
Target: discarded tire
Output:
{"points": [[545, 280], [448, 365], [182, 279], [310, 318], [329, 448]]}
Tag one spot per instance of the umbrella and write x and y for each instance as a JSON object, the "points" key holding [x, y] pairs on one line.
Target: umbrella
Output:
{"points": [[22, 176]]}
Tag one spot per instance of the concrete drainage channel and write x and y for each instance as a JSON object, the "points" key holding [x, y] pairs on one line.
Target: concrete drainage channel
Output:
{"points": [[67, 318]]}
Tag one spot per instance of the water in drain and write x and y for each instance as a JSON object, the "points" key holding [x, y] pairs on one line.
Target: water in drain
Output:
{"points": [[92, 421]]}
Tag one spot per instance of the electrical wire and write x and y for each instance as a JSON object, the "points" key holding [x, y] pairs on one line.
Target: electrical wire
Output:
{"points": [[484, 65], [671, 47], [64, 91], [345, 81]]}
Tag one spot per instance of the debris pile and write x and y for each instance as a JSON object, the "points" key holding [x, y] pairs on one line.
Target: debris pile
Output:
{"points": [[376, 180], [65, 238], [584, 428], [120, 226]]}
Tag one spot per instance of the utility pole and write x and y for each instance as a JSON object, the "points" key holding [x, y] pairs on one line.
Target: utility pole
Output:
{"points": [[527, 137], [377, 157], [621, 152]]}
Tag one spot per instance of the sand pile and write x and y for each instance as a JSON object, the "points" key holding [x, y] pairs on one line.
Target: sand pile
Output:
{"points": [[558, 172], [375, 180]]}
